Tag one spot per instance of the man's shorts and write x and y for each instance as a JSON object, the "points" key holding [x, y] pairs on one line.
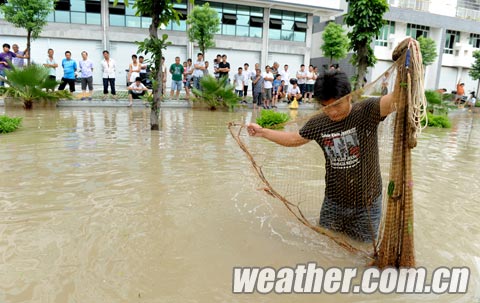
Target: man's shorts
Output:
{"points": [[359, 222], [257, 99], [87, 81], [309, 88], [268, 94], [177, 85], [136, 95]]}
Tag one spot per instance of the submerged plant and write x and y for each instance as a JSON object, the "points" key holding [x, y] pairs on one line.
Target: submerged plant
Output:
{"points": [[272, 119], [8, 124], [440, 121], [32, 83], [216, 93]]}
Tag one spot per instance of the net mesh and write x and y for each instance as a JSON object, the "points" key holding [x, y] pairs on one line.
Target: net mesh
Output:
{"points": [[359, 193]]}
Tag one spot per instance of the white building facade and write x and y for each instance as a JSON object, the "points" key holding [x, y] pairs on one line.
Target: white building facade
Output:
{"points": [[251, 31], [454, 25]]}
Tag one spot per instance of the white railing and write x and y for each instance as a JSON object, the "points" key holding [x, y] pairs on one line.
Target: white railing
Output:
{"points": [[467, 13]]}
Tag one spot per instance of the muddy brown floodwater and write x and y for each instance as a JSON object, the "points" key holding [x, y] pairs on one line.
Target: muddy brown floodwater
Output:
{"points": [[96, 208]]}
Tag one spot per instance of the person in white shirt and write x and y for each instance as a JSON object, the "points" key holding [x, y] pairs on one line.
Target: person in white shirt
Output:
{"points": [[108, 71], [471, 101], [293, 91], [143, 67], [268, 84], [136, 90], [302, 80], [248, 74], [239, 82], [311, 77], [285, 74], [86, 74], [51, 64], [198, 71]]}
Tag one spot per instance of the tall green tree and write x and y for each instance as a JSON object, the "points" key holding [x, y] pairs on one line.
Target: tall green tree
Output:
{"points": [[428, 50], [335, 42], [475, 69], [365, 17], [28, 14], [162, 12], [204, 23]]}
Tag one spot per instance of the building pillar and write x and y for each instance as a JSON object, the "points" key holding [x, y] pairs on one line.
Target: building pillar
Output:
{"points": [[190, 46], [265, 45], [441, 47], [308, 40], [105, 19]]}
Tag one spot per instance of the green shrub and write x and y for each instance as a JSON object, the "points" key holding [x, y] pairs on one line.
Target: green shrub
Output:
{"points": [[216, 93], [447, 97], [272, 119], [8, 125], [440, 121], [433, 97]]}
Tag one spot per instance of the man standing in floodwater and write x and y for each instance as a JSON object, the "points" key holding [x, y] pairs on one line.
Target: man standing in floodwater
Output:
{"points": [[347, 134]]}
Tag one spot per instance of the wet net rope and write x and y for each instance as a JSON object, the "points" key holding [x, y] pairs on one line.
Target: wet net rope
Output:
{"points": [[361, 190]]}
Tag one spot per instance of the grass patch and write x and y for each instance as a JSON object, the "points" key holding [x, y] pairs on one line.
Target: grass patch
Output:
{"points": [[271, 119], [8, 125], [440, 121]]}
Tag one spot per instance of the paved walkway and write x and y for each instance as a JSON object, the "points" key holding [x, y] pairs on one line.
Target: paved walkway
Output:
{"points": [[140, 103]]}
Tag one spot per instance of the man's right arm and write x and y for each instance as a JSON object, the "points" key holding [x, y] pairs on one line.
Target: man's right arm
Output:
{"points": [[289, 139]]}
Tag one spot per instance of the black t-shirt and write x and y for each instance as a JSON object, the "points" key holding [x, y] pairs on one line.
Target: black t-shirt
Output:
{"points": [[223, 65], [350, 148]]}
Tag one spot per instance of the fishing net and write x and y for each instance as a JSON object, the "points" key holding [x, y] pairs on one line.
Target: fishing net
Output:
{"points": [[359, 192]]}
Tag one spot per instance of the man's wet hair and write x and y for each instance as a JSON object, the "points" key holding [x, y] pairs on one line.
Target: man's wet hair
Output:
{"points": [[333, 84]]}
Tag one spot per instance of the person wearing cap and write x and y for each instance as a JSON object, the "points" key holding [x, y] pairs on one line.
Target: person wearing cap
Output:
{"points": [[460, 92]]}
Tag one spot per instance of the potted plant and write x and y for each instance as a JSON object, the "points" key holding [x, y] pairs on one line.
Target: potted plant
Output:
{"points": [[29, 85]]}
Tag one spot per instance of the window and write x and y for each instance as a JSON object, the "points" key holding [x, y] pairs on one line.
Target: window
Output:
{"points": [[62, 5], [276, 24], [238, 20], [474, 40], [172, 26], [286, 25], [387, 29], [118, 9], [229, 19], [415, 31], [450, 39], [93, 6], [120, 15], [76, 11]]}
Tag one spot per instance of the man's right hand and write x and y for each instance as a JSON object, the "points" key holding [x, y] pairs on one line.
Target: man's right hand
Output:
{"points": [[254, 130]]}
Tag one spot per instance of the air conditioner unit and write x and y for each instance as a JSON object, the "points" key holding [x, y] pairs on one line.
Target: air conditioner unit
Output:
{"points": [[458, 46]]}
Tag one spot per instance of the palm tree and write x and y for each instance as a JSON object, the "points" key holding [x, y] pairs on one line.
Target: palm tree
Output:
{"points": [[31, 84], [217, 93]]}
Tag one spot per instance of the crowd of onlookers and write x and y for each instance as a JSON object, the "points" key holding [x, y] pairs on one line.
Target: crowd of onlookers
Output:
{"points": [[266, 86]]}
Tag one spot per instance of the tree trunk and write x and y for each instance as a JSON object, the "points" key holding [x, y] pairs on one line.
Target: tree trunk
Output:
{"points": [[29, 34], [157, 90], [362, 66], [478, 87]]}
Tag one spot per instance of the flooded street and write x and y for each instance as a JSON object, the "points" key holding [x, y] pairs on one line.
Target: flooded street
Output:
{"points": [[94, 207]]}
